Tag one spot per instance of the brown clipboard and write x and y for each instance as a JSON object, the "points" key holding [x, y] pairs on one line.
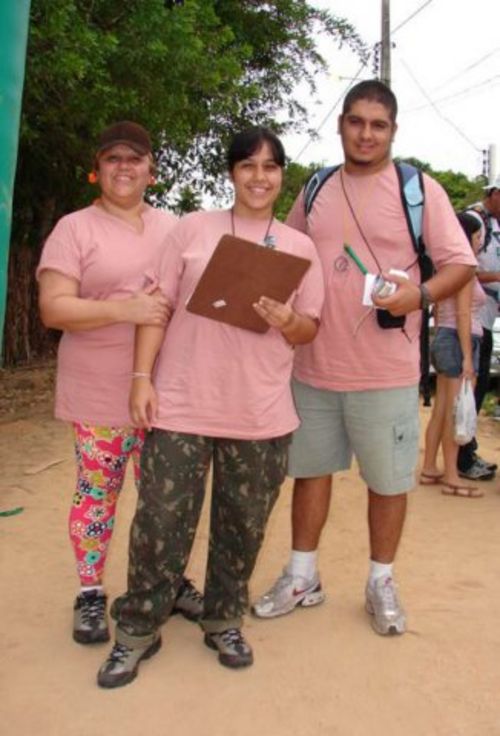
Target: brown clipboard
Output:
{"points": [[237, 275]]}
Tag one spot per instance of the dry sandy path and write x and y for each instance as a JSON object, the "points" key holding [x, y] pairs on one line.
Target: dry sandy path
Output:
{"points": [[318, 672]]}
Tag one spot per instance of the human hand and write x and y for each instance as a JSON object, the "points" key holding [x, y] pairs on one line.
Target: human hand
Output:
{"points": [[275, 313], [405, 299], [144, 308], [143, 404], [468, 370]]}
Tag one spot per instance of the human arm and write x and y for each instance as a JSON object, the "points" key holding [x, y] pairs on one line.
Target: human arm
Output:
{"points": [[142, 400], [463, 301], [488, 277], [296, 328], [448, 280], [62, 308]]}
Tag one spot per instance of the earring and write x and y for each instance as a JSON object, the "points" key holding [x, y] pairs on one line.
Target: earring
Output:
{"points": [[92, 177]]}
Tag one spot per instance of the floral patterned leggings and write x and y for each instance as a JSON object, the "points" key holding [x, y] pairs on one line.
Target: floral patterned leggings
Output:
{"points": [[102, 454]]}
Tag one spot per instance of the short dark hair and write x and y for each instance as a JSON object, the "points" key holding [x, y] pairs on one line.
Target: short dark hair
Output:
{"points": [[374, 90], [249, 141]]}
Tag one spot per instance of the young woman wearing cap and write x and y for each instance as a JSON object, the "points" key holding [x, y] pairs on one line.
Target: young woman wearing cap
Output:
{"points": [[455, 356], [220, 395], [93, 287]]}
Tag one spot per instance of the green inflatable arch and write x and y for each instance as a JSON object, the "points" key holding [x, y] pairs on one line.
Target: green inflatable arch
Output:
{"points": [[14, 21]]}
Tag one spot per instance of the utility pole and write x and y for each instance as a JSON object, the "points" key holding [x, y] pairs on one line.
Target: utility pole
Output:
{"points": [[385, 44], [492, 163]]}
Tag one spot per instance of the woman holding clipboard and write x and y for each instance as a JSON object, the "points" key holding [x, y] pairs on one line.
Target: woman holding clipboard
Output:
{"points": [[212, 392]]}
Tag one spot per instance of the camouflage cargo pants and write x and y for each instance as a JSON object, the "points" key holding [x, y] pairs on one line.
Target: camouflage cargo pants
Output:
{"points": [[247, 475]]}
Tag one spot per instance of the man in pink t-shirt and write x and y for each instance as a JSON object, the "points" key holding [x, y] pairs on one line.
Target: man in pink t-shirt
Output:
{"points": [[356, 385]]}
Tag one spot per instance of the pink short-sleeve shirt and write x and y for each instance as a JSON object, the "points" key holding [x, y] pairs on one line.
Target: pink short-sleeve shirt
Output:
{"points": [[351, 352], [110, 260], [214, 379]]}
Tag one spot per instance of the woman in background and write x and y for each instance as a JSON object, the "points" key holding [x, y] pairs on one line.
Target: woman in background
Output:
{"points": [[455, 356], [93, 288]]}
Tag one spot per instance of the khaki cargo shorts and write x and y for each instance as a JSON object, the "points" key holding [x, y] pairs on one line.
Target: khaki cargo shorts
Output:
{"points": [[380, 427]]}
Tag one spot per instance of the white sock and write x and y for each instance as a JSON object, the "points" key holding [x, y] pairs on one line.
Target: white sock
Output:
{"points": [[379, 570], [303, 564], [87, 588]]}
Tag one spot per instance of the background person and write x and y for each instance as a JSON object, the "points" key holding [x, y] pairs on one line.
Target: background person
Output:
{"points": [[93, 287], [356, 385], [455, 356], [220, 395], [487, 212]]}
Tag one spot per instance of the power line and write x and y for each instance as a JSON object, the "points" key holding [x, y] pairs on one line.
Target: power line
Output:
{"points": [[331, 110], [407, 20], [363, 65], [437, 110], [460, 93], [468, 68]]}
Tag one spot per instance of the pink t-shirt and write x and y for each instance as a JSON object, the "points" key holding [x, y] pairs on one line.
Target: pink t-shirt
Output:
{"points": [[351, 352], [109, 259], [447, 310], [211, 378]]}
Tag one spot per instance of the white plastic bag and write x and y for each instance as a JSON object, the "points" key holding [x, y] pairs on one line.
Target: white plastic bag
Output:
{"points": [[465, 417]]}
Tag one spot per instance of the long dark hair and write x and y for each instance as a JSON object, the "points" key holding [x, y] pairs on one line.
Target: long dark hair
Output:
{"points": [[469, 223]]}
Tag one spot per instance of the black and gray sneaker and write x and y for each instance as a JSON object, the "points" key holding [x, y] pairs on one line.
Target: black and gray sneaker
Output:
{"points": [[477, 472], [489, 467], [233, 650], [189, 601], [122, 665], [90, 624]]}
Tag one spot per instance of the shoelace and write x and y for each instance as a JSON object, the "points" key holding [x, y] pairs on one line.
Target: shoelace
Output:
{"points": [[94, 607], [232, 637], [281, 583], [389, 596], [118, 654], [187, 590]]}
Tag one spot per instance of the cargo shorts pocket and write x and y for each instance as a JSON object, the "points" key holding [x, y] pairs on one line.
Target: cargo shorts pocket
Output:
{"points": [[405, 448]]}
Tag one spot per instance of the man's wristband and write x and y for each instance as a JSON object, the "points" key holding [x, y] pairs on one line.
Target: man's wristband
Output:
{"points": [[425, 297]]}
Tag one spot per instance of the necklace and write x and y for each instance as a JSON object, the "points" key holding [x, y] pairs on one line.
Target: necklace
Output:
{"points": [[268, 240]]}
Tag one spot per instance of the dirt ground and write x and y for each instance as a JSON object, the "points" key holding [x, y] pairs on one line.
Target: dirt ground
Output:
{"points": [[317, 672]]}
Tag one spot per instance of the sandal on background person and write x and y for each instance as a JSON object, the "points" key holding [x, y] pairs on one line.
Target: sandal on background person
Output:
{"points": [[430, 479], [449, 489]]}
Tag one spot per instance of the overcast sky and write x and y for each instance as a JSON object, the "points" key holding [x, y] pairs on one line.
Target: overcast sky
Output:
{"points": [[447, 54]]}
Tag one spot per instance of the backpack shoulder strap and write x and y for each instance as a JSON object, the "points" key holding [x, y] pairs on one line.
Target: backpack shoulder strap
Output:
{"points": [[411, 185], [314, 184]]}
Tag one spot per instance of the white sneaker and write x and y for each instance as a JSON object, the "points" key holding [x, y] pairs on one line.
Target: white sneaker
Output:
{"points": [[286, 594], [382, 603]]}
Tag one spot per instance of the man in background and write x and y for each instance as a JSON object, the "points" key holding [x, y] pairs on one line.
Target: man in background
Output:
{"points": [[470, 464]]}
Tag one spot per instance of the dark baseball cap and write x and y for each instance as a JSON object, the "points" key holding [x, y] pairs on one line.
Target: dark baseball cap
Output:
{"points": [[128, 133]]}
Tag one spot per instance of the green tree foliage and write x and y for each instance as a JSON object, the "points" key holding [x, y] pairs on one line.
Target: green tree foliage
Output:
{"points": [[461, 190], [191, 74], [294, 179]]}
